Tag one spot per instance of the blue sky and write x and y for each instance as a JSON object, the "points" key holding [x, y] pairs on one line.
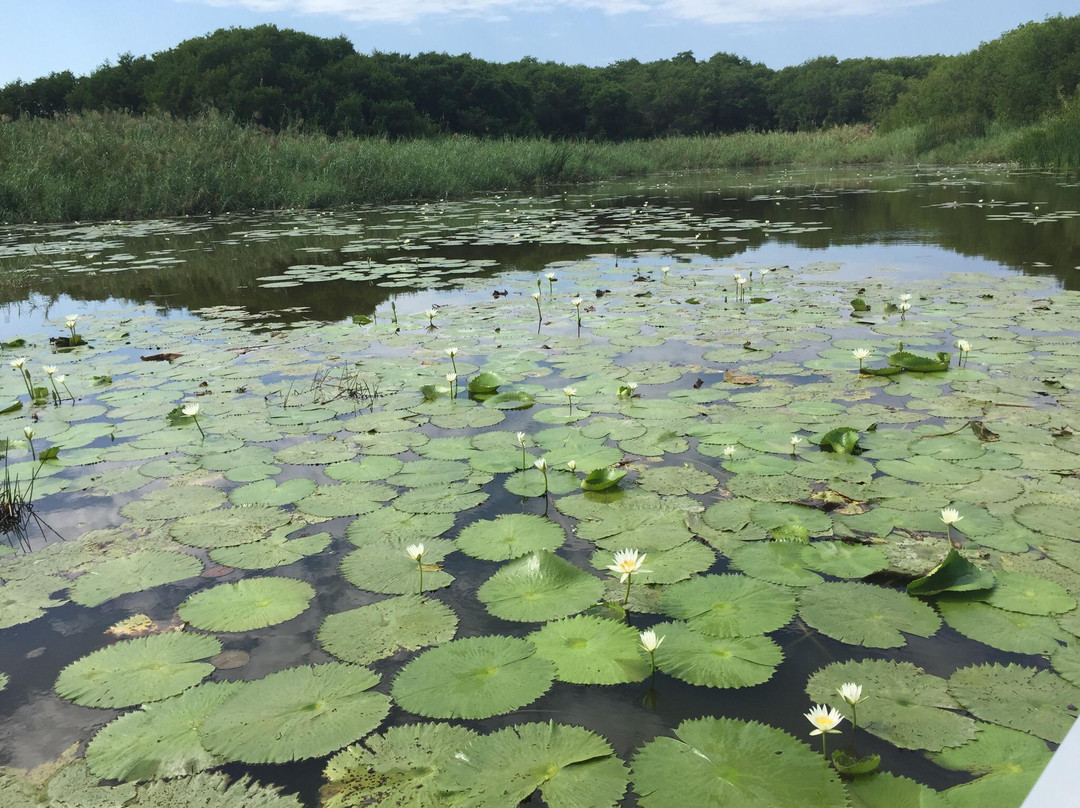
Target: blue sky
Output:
{"points": [[39, 36]]}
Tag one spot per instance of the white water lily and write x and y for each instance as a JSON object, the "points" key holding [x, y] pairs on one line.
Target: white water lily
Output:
{"points": [[60, 378], [570, 392], [729, 452], [632, 386], [431, 316], [905, 307], [851, 693], [451, 377], [536, 295], [451, 352], [861, 353], [824, 719], [795, 440], [665, 270], [69, 321], [740, 280], [190, 410], [18, 363], [950, 516], [572, 465], [963, 345], [49, 369], [541, 464], [551, 276], [650, 642], [905, 297], [627, 562], [28, 431], [415, 551], [521, 439], [576, 302]]}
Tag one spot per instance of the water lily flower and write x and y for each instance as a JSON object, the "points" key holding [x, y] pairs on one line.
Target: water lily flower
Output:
{"points": [[192, 412], [795, 441], [60, 379], [18, 363], [904, 298], [950, 516], [451, 352], [49, 369], [964, 347], [861, 354], [824, 720], [665, 270], [627, 562], [451, 377], [729, 452], [572, 465], [851, 693], [521, 439], [541, 464], [551, 276], [536, 295], [650, 642], [570, 391], [431, 317], [576, 302], [551, 280], [904, 308], [28, 431], [416, 553]]}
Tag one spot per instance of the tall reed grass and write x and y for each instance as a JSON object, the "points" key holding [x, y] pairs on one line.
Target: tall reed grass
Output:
{"points": [[109, 166]]}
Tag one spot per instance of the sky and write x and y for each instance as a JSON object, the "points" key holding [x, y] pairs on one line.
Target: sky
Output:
{"points": [[41, 36]]}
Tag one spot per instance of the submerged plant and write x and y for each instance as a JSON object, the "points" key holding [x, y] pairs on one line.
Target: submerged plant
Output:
{"points": [[627, 562], [416, 553], [192, 412], [825, 720]]}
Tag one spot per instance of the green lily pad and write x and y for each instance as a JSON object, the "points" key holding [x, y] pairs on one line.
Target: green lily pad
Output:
{"points": [[136, 671], [909, 707], [954, 574], [395, 768], [539, 587], [729, 605], [725, 662], [247, 604], [861, 614], [1026, 699], [510, 536], [476, 677], [296, 713], [602, 479], [998, 628], [570, 766], [717, 762], [383, 565], [591, 651], [374, 632], [142, 570]]}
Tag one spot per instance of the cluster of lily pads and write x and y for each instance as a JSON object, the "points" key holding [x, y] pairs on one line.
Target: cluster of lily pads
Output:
{"points": [[467, 540]]}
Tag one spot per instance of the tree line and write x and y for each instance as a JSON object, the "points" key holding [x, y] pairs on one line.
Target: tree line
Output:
{"points": [[278, 78]]}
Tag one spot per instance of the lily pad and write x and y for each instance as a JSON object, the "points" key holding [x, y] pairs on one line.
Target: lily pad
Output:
{"points": [[724, 662], [719, 762], [296, 713], [137, 572], [476, 677], [539, 587], [729, 605], [591, 651], [140, 670], [1030, 700], [510, 536], [247, 604], [373, 632], [861, 614]]}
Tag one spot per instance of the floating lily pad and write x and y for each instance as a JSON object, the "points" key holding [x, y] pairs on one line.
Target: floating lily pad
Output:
{"points": [[227, 527], [954, 574], [161, 739], [370, 633], [1029, 594], [602, 479], [998, 628], [909, 708], [778, 562], [140, 670], [1022, 698], [729, 605], [395, 768], [539, 587], [861, 614], [509, 536], [1007, 763], [276, 550], [712, 661], [592, 651], [570, 766], [452, 498], [248, 604], [384, 566], [724, 761], [476, 677], [137, 572], [296, 713]]}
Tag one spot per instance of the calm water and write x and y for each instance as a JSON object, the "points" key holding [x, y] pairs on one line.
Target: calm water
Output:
{"points": [[286, 269]]}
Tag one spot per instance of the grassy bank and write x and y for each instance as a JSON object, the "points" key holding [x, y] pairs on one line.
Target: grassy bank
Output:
{"points": [[117, 166]]}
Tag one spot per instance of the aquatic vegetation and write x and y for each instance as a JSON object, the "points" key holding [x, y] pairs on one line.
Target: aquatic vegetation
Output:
{"points": [[487, 553]]}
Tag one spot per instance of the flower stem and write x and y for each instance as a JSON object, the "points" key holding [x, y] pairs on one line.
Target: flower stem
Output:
{"points": [[854, 723], [824, 751], [420, 567], [626, 597], [195, 418]]}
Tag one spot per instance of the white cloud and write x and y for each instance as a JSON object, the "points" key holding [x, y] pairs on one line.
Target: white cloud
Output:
{"points": [[717, 12]]}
